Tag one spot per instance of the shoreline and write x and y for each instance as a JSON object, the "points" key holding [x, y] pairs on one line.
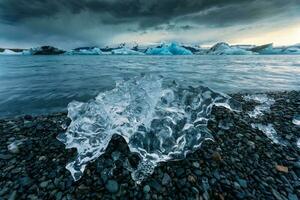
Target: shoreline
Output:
{"points": [[241, 163]]}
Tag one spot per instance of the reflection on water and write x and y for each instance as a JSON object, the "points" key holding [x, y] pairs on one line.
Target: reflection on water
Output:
{"points": [[43, 84]]}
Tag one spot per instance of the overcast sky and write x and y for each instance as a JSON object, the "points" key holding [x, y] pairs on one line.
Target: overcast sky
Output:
{"points": [[73, 23]]}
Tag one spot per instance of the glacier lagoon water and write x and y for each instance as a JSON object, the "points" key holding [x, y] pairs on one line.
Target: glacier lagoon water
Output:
{"points": [[46, 84]]}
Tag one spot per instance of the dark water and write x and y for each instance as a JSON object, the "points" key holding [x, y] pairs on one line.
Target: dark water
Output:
{"points": [[45, 84]]}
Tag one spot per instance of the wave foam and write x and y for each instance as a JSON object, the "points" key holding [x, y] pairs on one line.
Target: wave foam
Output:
{"points": [[265, 104]]}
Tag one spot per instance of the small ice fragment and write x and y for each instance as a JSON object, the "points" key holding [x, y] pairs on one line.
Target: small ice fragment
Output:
{"points": [[224, 124], [298, 143], [265, 104], [296, 120], [14, 147], [268, 130]]}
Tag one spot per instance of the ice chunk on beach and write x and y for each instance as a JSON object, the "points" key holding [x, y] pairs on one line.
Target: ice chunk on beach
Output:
{"points": [[125, 51], [224, 49], [169, 49], [298, 143], [269, 131], [159, 123], [296, 120], [264, 101], [10, 52]]}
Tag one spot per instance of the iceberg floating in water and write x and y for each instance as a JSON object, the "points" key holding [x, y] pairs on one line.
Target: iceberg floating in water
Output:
{"points": [[224, 49], [10, 52], [44, 50], [85, 51], [293, 50], [125, 51], [159, 123], [265, 104], [169, 49]]}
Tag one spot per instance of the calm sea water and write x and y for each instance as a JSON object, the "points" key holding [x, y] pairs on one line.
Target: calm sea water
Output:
{"points": [[45, 84]]}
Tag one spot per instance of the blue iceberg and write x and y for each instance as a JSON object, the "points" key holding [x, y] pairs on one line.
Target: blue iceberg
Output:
{"points": [[169, 49], [223, 48], [125, 51]]}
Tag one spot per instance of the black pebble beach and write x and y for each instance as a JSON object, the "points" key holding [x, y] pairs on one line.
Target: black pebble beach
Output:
{"points": [[241, 162]]}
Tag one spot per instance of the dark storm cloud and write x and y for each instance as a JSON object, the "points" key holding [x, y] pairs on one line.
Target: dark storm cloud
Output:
{"points": [[147, 12], [52, 17]]}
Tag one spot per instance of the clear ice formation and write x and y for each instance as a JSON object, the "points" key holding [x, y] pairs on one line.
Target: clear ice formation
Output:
{"points": [[265, 104], [89, 51], [296, 120], [10, 52], [224, 49], [159, 123], [269, 131], [169, 49], [125, 51]]}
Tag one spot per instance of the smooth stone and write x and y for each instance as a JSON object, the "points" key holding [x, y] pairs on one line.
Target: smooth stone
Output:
{"points": [[13, 195], [25, 181], [166, 179], [58, 196], [112, 186], [276, 195], [146, 189], [5, 156], [42, 158], [236, 186], [179, 172], [243, 183], [292, 197], [196, 164], [154, 184], [44, 184]]}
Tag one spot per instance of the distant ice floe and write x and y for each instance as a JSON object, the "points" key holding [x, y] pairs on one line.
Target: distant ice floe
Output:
{"points": [[296, 120], [7, 52], [168, 49], [224, 49], [265, 104], [125, 51], [159, 123], [269, 131], [85, 51]]}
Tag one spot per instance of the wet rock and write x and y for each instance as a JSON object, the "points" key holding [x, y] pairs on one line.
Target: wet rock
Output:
{"points": [[5, 156], [216, 156], [154, 184], [179, 172], [276, 194], [242, 183], [13, 195], [166, 179], [44, 184], [25, 181], [58, 196], [146, 189], [282, 168], [112, 186]]}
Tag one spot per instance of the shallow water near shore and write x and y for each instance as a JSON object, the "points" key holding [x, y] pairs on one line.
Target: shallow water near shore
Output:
{"points": [[46, 84]]}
